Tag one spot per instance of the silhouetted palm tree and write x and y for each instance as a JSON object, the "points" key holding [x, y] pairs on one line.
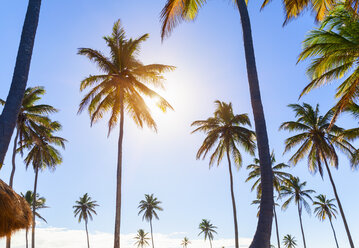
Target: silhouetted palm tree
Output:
{"points": [[224, 132], [325, 208], [185, 242], [294, 190], [84, 209], [208, 229], [318, 144], [120, 88], [141, 239], [289, 241], [148, 207]]}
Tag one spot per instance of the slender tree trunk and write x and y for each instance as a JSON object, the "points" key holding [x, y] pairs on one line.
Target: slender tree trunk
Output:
{"points": [[301, 225], [276, 226], [153, 243], [19, 80], [233, 202], [335, 236], [8, 241], [34, 209], [26, 238], [87, 235], [263, 233], [119, 180], [339, 205], [210, 243]]}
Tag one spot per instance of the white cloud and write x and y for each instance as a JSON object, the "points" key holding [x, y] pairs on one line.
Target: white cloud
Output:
{"points": [[66, 238]]}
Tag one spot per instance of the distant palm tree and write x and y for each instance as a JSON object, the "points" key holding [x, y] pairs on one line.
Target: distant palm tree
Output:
{"points": [[318, 144], [325, 208], [141, 239], [207, 228], [148, 207], [120, 88], [42, 155], [84, 209], [185, 242], [225, 131], [294, 190], [289, 241], [39, 204]]}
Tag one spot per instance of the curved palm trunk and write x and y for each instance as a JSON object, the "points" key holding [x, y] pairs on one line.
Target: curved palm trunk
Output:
{"points": [[153, 243], [233, 203], [335, 236], [276, 226], [19, 79], [339, 205], [87, 235], [301, 225], [34, 210], [26, 238], [119, 181], [263, 233]]}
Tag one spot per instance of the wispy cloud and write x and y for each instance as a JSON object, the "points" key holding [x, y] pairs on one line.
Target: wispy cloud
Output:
{"points": [[67, 238]]}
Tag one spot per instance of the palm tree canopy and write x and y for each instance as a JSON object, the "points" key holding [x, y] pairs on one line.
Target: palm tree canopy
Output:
{"points": [[224, 132], [324, 207], [84, 208], [141, 238], [289, 241], [149, 206], [39, 204], [207, 228], [185, 242], [278, 175], [315, 141], [293, 188], [124, 80], [333, 51]]}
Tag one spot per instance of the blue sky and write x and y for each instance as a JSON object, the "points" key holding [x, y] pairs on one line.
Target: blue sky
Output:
{"points": [[210, 65]]}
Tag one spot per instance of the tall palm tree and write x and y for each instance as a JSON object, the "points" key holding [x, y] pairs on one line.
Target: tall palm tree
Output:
{"points": [[294, 190], [12, 107], [185, 242], [278, 177], [141, 239], [224, 132], [332, 50], [121, 87], [39, 204], [289, 241], [208, 229], [42, 155], [148, 207], [318, 143], [172, 14], [325, 208], [84, 209]]}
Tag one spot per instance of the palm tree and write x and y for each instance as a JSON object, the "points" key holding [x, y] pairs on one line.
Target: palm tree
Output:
{"points": [[42, 155], [318, 143], [121, 88], [207, 228], [289, 241], [12, 107], [332, 49], [325, 208], [224, 132], [84, 209], [148, 207], [294, 190], [39, 204], [185, 242], [172, 14], [141, 239]]}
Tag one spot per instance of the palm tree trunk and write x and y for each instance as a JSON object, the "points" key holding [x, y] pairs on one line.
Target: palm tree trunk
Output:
{"points": [[276, 226], [119, 179], [339, 204], [14, 99], [34, 209], [210, 243], [335, 236], [153, 243], [26, 238], [263, 233], [87, 235], [233, 202], [301, 225]]}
